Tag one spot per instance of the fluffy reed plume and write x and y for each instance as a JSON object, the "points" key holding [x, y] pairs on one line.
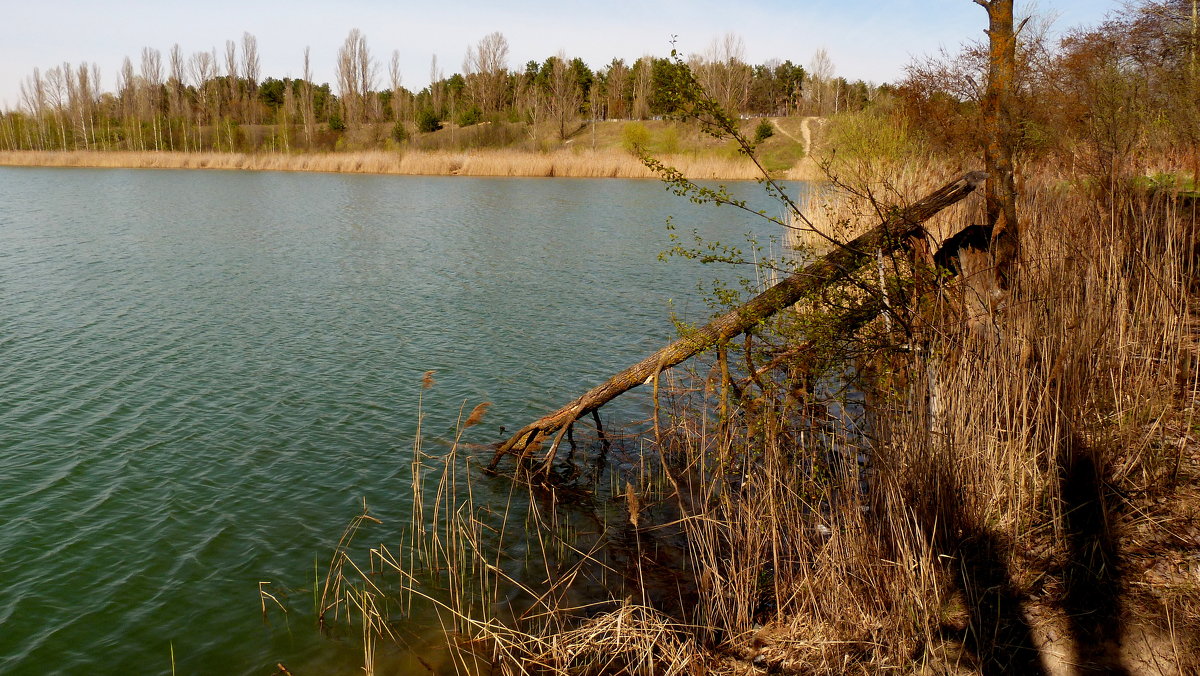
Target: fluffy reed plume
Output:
{"points": [[634, 505], [477, 414]]}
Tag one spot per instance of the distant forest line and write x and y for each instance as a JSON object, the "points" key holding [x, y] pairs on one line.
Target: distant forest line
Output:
{"points": [[218, 101], [1117, 98]]}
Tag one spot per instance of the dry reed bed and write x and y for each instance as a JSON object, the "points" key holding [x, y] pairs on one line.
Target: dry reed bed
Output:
{"points": [[1001, 449], [573, 164], [983, 511]]}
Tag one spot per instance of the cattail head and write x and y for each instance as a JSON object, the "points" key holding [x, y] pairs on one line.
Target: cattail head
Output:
{"points": [[477, 414], [635, 505], [427, 379]]}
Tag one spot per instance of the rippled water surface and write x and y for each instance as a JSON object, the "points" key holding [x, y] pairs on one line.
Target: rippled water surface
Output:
{"points": [[202, 374]]}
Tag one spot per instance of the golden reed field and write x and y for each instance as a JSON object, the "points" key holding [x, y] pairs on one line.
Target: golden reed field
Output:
{"points": [[585, 164]]}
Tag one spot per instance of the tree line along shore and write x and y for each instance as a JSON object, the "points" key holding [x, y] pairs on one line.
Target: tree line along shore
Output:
{"points": [[604, 149], [212, 101]]}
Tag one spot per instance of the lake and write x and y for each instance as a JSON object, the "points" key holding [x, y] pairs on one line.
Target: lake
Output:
{"points": [[204, 374]]}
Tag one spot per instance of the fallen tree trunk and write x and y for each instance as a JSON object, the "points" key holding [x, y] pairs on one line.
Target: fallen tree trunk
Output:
{"points": [[827, 270]]}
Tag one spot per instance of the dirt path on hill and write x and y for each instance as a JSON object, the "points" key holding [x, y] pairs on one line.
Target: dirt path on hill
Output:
{"points": [[805, 132]]}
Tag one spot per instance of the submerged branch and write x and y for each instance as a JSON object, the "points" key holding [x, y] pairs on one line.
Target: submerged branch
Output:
{"points": [[829, 269]]}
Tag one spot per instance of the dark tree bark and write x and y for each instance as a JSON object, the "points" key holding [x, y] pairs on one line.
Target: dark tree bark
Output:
{"points": [[830, 269]]}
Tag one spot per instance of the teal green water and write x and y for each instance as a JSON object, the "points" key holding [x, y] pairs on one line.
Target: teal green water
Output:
{"points": [[202, 374]]}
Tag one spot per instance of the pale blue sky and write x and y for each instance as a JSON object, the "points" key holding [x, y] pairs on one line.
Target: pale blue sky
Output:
{"points": [[868, 39]]}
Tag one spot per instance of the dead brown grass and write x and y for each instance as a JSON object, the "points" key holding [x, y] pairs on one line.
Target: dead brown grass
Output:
{"points": [[1011, 497], [1007, 461]]}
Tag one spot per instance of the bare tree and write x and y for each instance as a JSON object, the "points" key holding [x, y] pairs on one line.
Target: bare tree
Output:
{"points": [[151, 93], [175, 97], [616, 90], [250, 74], [594, 100], [724, 73], [56, 98], [128, 89], [486, 71], [33, 94], [287, 115], [93, 90], [355, 76], [307, 104], [82, 104], [642, 72], [436, 95], [565, 96], [233, 94], [394, 79], [530, 100], [203, 68], [820, 78]]}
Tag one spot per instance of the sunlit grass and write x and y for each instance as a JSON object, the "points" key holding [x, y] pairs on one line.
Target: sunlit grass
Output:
{"points": [[560, 163]]}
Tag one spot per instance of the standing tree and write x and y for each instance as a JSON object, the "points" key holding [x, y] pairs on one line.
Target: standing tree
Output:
{"points": [[127, 91], [1000, 140], [203, 69], [175, 99], [83, 94], [149, 101], [250, 72], [529, 99], [564, 95], [437, 87], [821, 79], [486, 72], [643, 74], [616, 90], [355, 76], [308, 110], [723, 72], [233, 95], [394, 79], [56, 93]]}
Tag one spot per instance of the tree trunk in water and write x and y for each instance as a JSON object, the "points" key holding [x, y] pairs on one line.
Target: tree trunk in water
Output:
{"points": [[829, 269]]}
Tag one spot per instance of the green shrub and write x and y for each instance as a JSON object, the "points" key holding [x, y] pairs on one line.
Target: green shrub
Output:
{"points": [[399, 132], [763, 131], [668, 140], [869, 137], [635, 137], [336, 123], [428, 121], [469, 116]]}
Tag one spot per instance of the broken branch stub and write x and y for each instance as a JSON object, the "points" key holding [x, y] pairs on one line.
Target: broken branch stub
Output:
{"points": [[829, 269]]}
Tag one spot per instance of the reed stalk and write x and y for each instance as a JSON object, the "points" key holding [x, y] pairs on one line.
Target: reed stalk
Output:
{"points": [[948, 491]]}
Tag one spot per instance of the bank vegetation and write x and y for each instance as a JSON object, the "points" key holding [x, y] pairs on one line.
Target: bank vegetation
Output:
{"points": [[970, 455]]}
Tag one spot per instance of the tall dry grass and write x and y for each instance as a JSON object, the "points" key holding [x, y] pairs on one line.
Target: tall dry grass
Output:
{"points": [[943, 494], [983, 436], [566, 163]]}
